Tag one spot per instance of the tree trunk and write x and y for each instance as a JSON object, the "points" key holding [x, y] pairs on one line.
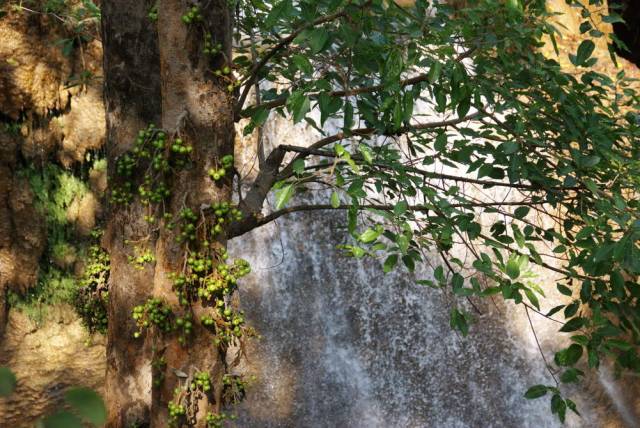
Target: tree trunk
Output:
{"points": [[157, 72]]}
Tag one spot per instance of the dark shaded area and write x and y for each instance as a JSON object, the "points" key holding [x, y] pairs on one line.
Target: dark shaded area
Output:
{"points": [[629, 31]]}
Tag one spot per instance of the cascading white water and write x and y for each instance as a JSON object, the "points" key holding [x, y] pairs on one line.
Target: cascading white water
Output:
{"points": [[345, 346]]}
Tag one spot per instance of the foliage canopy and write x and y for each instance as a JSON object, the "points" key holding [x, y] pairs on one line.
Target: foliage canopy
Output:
{"points": [[445, 131]]}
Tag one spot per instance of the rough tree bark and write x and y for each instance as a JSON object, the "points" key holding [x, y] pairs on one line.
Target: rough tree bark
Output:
{"points": [[156, 72]]}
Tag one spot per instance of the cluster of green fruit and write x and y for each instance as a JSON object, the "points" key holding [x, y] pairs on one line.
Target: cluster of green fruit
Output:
{"points": [[184, 325], [225, 73], [219, 173], [199, 263], [188, 220], [153, 312], [121, 195], [223, 212], [176, 411], [207, 320], [205, 283], [201, 381], [209, 47], [180, 147], [231, 325], [230, 273], [193, 14], [150, 146], [199, 282], [139, 261], [216, 420], [152, 191], [92, 294]]}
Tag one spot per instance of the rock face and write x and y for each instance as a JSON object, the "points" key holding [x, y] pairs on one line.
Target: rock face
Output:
{"points": [[22, 234], [44, 115], [45, 111], [47, 359]]}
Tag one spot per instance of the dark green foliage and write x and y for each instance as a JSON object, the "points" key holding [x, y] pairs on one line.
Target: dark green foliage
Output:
{"points": [[563, 145]]}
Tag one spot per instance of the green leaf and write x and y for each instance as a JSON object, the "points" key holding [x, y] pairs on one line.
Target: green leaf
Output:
{"points": [[303, 64], [283, 196], [369, 235], [558, 406], [532, 298], [521, 212], [393, 67], [426, 283], [409, 263], [87, 404], [585, 50], [571, 375], [7, 381], [298, 166], [403, 243], [463, 107], [555, 310], [569, 356], [573, 324], [400, 208], [348, 116], [390, 263], [513, 268], [434, 72], [509, 147], [564, 289], [335, 200], [318, 38], [299, 105], [458, 321], [613, 18], [279, 10], [619, 344], [535, 391], [328, 106], [457, 281], [366, 153], [572, 309], [441, 142]]}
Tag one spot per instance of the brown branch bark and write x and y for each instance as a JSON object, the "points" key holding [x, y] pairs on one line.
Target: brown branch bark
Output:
{"points": [[363, 132], [260, 220]]}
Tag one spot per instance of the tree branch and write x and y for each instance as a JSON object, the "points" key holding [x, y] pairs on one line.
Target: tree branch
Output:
{"points": [[259, 220], [363, 132]]}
